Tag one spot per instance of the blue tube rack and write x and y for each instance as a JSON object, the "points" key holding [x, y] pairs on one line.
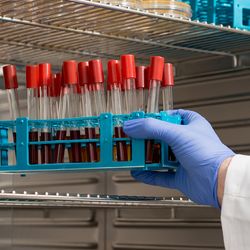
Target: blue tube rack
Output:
{"points": [[235, 13], [106, 123]]}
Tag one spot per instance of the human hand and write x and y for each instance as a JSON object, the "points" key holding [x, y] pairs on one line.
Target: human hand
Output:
{"points": [[197, 148]]}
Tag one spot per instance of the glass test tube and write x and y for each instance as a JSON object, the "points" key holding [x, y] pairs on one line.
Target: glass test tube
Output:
{"points": [[61, 133], [140, 84], [69, 106], [98, 95], [114, 81], [89, 131], [45, 81], [167, 96], [32, 85], [128, 81], [156, 74], [11, 86]]}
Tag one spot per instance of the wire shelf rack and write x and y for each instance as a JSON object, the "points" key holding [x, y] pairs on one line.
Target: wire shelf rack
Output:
{"points": [[45, 200], [53, 31]]}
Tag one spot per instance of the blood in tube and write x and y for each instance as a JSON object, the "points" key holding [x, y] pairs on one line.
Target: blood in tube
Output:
{"points": [[128, 84], [86, 108], [55, 103], [32, 85], [69, 106], [156, 74], [167, 96], [114, 83], [45, 81], [11, 86]]}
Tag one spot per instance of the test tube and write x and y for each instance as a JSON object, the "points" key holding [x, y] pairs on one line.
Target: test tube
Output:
{"points": [[45, 81], [146, 87], [155, 76], [97, 80], [32, 84], [61, 133], [69, 105], [114, 81], [140, 84], [11, 86], [54, 94], [167, 87], [84, 82], [167, 96], [128, 81]]}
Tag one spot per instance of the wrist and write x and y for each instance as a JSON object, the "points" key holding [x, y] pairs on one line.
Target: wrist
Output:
{"points": [[222, 173]]}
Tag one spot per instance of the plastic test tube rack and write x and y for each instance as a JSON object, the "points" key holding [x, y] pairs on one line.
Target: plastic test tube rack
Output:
{"points": [[105, 142]]}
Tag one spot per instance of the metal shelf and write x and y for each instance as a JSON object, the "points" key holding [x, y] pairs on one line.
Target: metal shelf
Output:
{"points": [[13, 199], [53, 31]]}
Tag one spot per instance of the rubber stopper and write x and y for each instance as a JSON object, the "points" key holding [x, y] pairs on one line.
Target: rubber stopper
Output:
{"points": [[45, 76], [168, 75], [70, 74], [96, 71], [128, 66], [10, 78], [32, 76], [114, 72], [55, 87], [156, 68], [140, 77], [83, 73]]}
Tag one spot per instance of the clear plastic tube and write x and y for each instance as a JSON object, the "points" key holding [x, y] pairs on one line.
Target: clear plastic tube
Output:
{"points": [[167, 98], [140, 99], [13, 103], [129, 96], [153, 96], [99, 98]]}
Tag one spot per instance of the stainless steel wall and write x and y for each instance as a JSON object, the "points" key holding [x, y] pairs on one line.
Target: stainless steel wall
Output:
{"points": [[224, 99]]}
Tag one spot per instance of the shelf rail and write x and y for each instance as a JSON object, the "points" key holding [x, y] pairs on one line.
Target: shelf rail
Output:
{"points": [[57, 30]]}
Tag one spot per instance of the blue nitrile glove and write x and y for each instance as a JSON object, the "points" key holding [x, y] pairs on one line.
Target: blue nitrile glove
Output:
{"points": [[197, 148]]}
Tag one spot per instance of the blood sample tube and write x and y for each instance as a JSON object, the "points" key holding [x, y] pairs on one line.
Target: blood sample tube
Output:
{"points": [[54, 94], [32, 84], [146, 87], [69, 105], [128, 81], [156, 74], [97, 80], [11, 85], [114, 81], [167, 87], [167, 96], [140, 84], [84, 81], [45, 81]]}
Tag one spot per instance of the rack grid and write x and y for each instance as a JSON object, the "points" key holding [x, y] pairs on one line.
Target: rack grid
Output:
{"points": [[54, 31]]}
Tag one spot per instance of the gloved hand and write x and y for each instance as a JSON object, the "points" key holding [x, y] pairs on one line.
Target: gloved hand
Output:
{"points": [[197, 148]]}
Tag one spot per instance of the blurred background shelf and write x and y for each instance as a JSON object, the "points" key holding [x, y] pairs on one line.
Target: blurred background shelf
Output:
{"points": [[54, 31]]}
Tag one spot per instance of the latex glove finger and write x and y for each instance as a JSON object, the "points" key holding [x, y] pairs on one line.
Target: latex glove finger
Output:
{"points": [[162, 179]]}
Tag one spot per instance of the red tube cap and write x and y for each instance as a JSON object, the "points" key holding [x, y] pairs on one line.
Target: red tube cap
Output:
{"points": [[114, 72], [128, 66], [96, 71], [32, 76], [140, 77], [45, 76], [156, 68], [83, 73], [55, 87], [168, 75], [70, 72], [146, 75], [10, 78]]}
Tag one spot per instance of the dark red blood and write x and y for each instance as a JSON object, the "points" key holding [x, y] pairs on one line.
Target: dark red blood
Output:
{"points": [[46, 154], [33, 149], [121, 147], [149, 151], [75, 147], [59, 148], [91, 146]]}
